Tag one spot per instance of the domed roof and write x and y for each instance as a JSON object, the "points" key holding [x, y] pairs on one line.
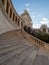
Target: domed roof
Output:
{"points": [[43, 26]]}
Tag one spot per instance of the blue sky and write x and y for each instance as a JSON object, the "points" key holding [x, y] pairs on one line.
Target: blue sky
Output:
{"points": [[38, 10]]}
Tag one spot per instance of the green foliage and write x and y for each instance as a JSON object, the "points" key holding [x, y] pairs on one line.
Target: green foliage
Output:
{"points": [[27, 29], [40, 35], [34, 33], [43, 36]]}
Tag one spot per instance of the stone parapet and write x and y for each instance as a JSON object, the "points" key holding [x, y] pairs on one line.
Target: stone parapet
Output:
{"points": [[35, 40], [9, 18]]}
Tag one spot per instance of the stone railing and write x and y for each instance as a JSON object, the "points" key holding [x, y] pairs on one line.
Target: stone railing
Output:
{"points": [[35, 40], [9, 11]]}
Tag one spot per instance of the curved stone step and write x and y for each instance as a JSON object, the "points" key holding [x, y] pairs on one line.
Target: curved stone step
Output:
{"points": [[11, 37], [4, 40], [11, 53], [11, 41], [29, 60], [6, 45], [15, 52], [10, 61], [24, 54], [4, 50]]}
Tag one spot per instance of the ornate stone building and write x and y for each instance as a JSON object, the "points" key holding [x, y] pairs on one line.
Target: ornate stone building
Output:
{"points": [[26, 17], [44, 28]]}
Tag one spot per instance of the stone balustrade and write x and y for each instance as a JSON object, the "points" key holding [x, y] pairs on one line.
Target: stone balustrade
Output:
{"points": [[9, 10], [35, 40]]}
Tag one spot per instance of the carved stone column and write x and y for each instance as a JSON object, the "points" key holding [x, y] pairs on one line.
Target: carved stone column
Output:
{"points": [[17, 20], [12, 16], [9, 11], [14, 19], [5, 4], [20, 23]]}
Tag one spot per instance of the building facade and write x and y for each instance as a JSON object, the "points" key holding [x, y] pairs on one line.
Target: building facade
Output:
{"points": [[44, 28], [26, 17]]}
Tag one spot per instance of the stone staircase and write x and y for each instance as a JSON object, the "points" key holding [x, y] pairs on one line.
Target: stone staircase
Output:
{"points": [[16, 50]]}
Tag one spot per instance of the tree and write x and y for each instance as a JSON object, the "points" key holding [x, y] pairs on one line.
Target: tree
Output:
{"points": [[40, 35], [29, 30]]}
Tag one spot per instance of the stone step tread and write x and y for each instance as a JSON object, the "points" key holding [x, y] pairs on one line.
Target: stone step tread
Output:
{"points": [[11, 54], [10, 48], [10, 61], [23, 55], [30, 58], [6, 45], [10, 37], [2, 40], [8, 40], [11, 40]]}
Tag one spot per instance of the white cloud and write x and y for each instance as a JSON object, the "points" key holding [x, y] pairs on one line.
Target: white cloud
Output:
{"points": [[44, 21], [33, 16], [36, 25], [27, 4], [27, 9]]}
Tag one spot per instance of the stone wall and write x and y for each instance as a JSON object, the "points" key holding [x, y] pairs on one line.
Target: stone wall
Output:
{"points": [[5, 25]]}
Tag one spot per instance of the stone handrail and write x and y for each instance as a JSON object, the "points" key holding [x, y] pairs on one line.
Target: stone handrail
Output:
{"points": [[35, 40], [9, 18], [9, 11]]}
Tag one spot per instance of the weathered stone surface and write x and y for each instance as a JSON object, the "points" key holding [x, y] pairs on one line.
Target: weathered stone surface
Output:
{"points": [[5, 25], [16, 50]]}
